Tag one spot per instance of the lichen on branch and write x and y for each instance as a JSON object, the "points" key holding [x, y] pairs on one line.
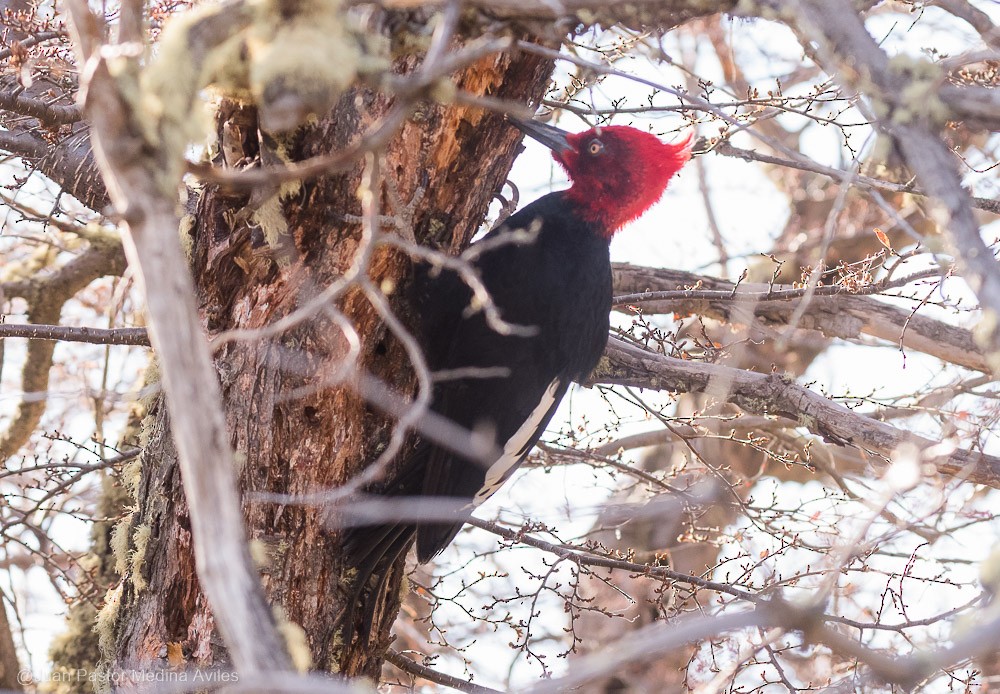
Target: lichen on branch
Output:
{"points": [[292, 60]]}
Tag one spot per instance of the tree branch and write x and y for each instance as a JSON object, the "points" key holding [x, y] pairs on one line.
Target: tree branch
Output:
{"points": [[10, 668], [50, 114], [664, 14], [726, 149], [844, 316], [69, 163], [772, 394], [45, 297], [133, 171], [979, 20], [65, 333], [654, 640], [33, 40], [415, 668], [848, 49]]}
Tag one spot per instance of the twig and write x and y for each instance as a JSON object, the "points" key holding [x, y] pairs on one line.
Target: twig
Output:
{"points": [[726, 149], [772, 394], [847, 47], [52, 114], [587, 559], [835, 311], [33, 40], [415, 668], [66, 333]]}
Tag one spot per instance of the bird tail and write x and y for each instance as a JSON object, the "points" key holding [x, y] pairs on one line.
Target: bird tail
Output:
{"points": [[372, 551]]}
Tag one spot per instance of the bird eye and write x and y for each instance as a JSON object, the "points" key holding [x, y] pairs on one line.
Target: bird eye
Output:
{"points": [[595, 147]]}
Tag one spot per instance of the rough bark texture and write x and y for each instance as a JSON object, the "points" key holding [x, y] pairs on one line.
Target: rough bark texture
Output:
{"points": [[9, 666], [70, 163], [318, 441]]}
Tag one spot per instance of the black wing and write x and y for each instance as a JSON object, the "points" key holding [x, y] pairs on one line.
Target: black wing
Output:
{"points": [[559, 285]]}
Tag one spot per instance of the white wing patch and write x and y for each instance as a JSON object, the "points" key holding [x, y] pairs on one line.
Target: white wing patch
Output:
{"points": [[517, 446]]}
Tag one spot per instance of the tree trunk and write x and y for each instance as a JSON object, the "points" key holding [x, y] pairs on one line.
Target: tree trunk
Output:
{"points": [[319, 440], [9, 666]]}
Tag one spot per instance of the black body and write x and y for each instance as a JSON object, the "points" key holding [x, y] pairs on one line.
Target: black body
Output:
{"points": [[560, 283]]}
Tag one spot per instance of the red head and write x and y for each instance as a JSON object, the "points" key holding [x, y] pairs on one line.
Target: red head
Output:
{"points": [[618, 172]]}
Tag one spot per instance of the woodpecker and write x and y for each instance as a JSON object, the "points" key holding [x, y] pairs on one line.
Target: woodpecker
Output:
{"points": [[557, 283]]}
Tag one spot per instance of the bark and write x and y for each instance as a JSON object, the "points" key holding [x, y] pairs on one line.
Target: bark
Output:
{"points": [[9, 666], [70, 163], [320, 440]]}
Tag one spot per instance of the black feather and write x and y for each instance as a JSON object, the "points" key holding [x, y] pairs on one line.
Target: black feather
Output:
{"points": [[559, 283]]}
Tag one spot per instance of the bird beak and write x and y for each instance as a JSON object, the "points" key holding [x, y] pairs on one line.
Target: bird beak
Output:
{"points": [[549, 135]]}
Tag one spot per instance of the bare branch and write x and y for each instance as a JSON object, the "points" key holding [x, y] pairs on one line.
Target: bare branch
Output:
{"points": [[661, 13], [835, 314], [979, 20], [68, 333], [10, 668], [45, 297], [726, 149], [772, 394], [48, 113], [194, 400], [651, 641], [424, 672], [33, 40], [657, 638], [848, 48], [70, 163]]}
